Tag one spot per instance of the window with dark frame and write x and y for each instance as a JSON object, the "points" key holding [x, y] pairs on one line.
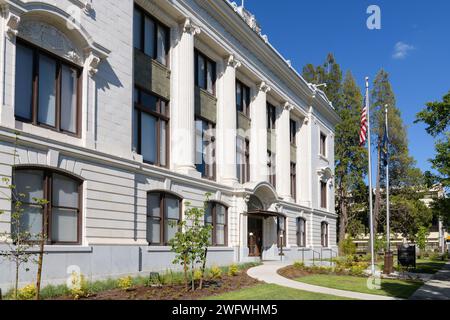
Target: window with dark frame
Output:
{"points": [[301, 232], [294, 180], [323, 195], [61, 214], [271, 159], [324, 234], [242, 98], [293, 132], [243, 160], [281, 226], [205, 148], [216, 215], [151, 36], [271, 117], [205, 73], [47, 89], [323, 144], [151, 127], [163, 217]]}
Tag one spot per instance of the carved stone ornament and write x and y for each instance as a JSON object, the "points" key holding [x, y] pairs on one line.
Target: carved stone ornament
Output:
{"points": [[93, 62], [232, 62], [288, 106], [264, 87], [50, 38], [12, 25], [190, 27]]}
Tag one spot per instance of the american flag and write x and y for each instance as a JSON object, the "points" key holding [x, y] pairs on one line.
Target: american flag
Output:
{"points": [[364, 126]]}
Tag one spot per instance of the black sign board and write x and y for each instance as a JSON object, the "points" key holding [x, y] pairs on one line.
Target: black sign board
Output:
{"points": [[407, 256]]}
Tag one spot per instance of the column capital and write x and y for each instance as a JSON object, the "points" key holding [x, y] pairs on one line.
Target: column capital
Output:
{"points": [[288, 106], [233, 62], [12, 25], [264, 87], [190, 27]]}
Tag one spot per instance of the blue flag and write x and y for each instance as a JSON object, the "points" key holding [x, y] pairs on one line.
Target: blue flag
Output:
{"points": [[385, 146]]}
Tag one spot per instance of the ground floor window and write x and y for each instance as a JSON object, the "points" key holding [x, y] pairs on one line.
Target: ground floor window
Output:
{"points": [[163, 217], [301, 232], [281, 222], [324, 234], [216, 216], [58, 216]]}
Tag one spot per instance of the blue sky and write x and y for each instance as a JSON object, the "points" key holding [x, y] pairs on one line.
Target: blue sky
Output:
{"points": [[413, 46]]}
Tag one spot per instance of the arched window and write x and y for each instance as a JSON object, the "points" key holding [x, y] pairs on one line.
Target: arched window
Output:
{"points": [[254, 204], [324, 234], [217, 215], [163, 217], [60, 217], [301, 232]]}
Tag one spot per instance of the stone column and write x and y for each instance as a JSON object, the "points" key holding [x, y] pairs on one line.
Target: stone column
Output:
{"points": [[283, 155], [226, 124], [258, 143], [183, 101]]}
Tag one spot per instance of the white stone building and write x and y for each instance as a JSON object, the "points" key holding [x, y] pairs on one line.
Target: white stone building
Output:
{"points": [[129, 110]]}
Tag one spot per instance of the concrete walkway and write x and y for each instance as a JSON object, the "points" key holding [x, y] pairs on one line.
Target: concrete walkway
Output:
{"points": [[268, 273], [438, 288]]}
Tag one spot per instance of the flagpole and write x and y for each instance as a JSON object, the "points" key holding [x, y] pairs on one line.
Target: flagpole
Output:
{"points": [[372, 242], [388, 217]]}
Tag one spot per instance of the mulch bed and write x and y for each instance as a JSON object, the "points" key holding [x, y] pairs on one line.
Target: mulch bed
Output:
{"points": [[177, 292], [291, 272]]}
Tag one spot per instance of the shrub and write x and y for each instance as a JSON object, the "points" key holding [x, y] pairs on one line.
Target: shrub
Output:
{"points": [[27, 293], [197, 275], [233, 270], [299, 265], [125, 283], [357, 271], [216, 272], [347, 246], [79, 286]]}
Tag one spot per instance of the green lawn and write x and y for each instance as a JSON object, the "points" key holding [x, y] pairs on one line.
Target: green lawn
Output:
{"points": [[428, 266], [392, 288], [273, 292]]}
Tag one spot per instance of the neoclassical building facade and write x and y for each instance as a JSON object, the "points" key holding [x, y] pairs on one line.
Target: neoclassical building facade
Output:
{"points": [[122, 114]]}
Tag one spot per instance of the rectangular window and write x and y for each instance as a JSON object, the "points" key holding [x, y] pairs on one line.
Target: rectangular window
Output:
{"points": [[150, 36], [281, 232], [242, 98], [47, 89], [205, 72], [301, 232], [323, 144], [151, 120], [271, 168], [271, 117], [294, 180], [243, 160], [324, 234], [293, 132], [323, 195], [205, 147]]}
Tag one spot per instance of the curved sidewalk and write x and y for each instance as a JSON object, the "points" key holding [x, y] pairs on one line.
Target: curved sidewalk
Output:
{"points": [[268, 273]]}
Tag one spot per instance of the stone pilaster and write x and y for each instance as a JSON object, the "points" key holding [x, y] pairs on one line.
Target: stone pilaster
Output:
{"points": [[283, 156]]}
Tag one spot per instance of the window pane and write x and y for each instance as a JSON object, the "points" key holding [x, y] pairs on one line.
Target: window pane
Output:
{"points": [[47, 90], [208, 214], [135, 130], [162, 143], [149, 46], [239, 97], [148, 137], [209, 77], [220, 214], [245, 99], [162, 50], [199, 146], [69, 84], [153, 204], [172, 208], [153, 231], [220, 235], [149, 101], [137, 23], [64, 225], [24, 82], [29, 183], [30, 221], [170, 229], [201, 72], [65, 192]]}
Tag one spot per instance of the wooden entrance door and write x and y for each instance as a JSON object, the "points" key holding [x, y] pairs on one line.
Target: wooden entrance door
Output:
{"points": [[255, 236]]}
